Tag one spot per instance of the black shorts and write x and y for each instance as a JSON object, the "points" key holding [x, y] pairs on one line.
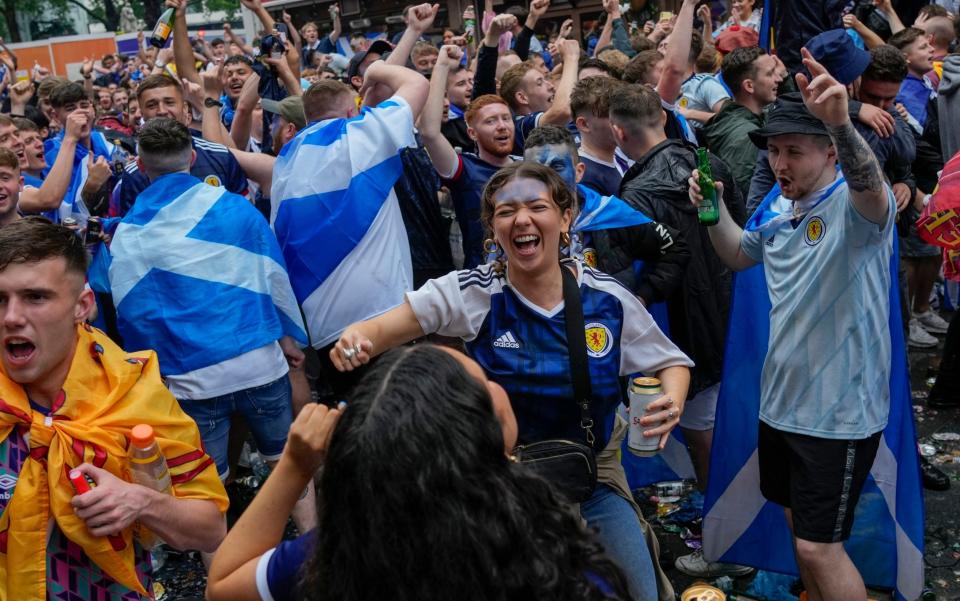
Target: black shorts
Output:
{"points": [[819, 479]]}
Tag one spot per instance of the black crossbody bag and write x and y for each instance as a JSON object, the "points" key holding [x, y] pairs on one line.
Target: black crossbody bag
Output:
{"points": [[570, 466]]}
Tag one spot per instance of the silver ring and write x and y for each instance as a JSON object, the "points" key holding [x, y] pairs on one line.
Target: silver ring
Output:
{"points": [[670, 414], [348, 353], [356, 349]]}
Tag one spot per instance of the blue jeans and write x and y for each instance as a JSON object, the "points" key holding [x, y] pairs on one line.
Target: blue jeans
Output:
{"points": [[619, 531], [266, 409]]}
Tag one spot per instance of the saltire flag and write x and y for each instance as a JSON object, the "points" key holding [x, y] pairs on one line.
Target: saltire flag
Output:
{"points": [[741, 526], [334, 212], [197, 275], [72, 204], [599, 212]]}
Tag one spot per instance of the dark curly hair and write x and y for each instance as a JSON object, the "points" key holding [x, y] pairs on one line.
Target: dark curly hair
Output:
{"points": [[420, 502]]}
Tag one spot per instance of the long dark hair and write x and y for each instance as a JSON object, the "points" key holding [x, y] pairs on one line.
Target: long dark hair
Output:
{"points": [[420, 502]]}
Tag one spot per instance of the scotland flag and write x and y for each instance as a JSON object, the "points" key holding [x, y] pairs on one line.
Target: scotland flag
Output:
{"points": [[337, 218], [73, 205], [741, 527], [197, 275]]}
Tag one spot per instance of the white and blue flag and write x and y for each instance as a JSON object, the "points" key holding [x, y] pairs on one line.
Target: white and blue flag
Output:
{"points": [[197, 275], [338, 220], [740, 526], [72, 204]]}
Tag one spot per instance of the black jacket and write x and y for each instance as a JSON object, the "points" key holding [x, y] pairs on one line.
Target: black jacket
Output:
{"points": [[698, 308], [661, 248]]}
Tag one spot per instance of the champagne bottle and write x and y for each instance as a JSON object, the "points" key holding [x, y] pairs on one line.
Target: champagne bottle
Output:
{"points": [[163, 28]]}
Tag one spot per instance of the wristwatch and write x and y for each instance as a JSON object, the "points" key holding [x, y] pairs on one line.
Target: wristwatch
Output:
{"points": [[212, 102]]}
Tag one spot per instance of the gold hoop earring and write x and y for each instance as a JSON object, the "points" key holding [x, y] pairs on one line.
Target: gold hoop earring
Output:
{"points": [[565, 238], [490, 246]]}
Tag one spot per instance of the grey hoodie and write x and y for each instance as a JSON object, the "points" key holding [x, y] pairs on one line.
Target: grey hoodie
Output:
{"points": [[948, 106]]}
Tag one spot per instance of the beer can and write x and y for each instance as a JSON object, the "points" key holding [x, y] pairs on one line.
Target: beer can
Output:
{"points": [[94, 228], [643, 391], [70, 223], [703, 592]]}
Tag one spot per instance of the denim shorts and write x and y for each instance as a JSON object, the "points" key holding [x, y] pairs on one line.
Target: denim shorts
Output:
{"points": [[266, 409]]}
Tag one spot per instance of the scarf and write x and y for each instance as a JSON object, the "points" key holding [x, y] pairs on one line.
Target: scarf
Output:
{"points": [[106, 393]]}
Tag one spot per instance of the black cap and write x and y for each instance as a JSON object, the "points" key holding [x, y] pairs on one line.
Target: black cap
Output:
{"points": [[788, 115], [381, 47]]}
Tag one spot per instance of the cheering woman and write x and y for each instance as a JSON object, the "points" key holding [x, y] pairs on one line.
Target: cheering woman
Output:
{"points": [[510, 313]]}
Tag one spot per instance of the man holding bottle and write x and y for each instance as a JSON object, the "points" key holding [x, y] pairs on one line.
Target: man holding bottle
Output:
{"points": [[70, 400], [825, 239]]}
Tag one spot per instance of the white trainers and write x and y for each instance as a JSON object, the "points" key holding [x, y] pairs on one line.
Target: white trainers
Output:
{"points": [[696, 565], [918, 337], [931, 322]]}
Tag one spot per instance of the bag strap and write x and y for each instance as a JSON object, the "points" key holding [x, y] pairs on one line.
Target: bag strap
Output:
{"points": [[577, 349]]}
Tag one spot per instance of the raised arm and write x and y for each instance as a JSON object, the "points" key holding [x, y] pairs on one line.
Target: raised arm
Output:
{"points": [[337, 27], [256, 7], [292, 33], [406, 83], [49, 196], [419, 19], [182, 50], [826, 99], [485, 78], [442, 154], [537, 10], [232, 574], [243, 116], [870, 39], [706, 18], [559, 111], [231, 37], [886, 7], [676, 62]]}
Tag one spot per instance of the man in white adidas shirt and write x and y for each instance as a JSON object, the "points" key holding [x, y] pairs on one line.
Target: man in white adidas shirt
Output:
{"points": [[825, 242]]}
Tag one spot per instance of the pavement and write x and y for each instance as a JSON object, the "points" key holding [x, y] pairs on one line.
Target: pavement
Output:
{"points": [[184, 578]]}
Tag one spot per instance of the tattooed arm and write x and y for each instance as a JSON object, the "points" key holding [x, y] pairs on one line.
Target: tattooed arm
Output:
{"points": [[826, 99], [862, 172]]}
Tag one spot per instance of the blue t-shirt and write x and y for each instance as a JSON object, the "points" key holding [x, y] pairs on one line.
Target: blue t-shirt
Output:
{"points": [[601, 176], [523, 125], [214, 166], [915, 93], [701, 92], [278, 569], [524, 347], [466, 187]]}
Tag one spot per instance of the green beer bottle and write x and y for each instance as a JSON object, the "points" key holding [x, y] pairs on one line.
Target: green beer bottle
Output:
{"points": [[709, 211], [163, 28]]}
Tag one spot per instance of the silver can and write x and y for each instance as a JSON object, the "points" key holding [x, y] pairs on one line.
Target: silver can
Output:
{"points": [[643, 391]]}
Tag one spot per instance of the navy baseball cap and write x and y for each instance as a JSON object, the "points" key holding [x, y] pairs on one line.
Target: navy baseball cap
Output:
{"points": [[836, 51]]}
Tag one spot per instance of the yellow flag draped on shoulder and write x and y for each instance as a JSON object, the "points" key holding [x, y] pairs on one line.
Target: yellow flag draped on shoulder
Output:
{"points": [[107, 393]]}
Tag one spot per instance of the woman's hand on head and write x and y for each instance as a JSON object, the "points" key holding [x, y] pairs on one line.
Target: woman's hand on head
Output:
{"points": [[310, 435]]}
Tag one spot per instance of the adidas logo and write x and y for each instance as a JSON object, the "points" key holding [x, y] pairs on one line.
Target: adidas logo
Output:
{"points": [[769, 241], [506, 341]]}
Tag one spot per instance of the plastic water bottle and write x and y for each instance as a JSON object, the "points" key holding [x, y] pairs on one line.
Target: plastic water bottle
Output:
{"points": [[148, 467]]}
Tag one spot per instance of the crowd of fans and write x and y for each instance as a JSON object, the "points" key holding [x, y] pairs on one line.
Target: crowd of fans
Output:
{"points": [[354, 249]]}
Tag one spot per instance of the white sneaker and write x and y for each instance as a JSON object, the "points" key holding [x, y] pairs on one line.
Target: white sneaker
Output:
{"points": [[931, 322], [918, 337], [696, 565]]}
